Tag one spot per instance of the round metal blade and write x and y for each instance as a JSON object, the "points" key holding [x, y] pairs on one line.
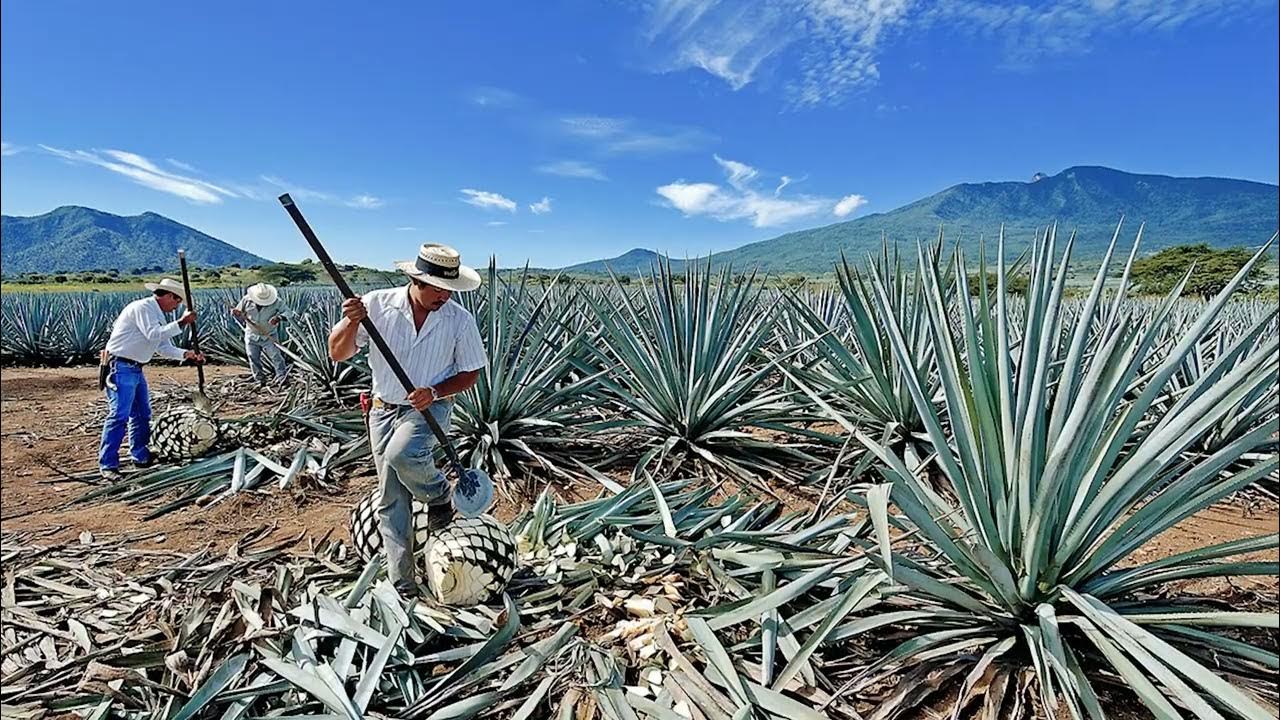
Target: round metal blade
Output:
{"points": [[473, 493]]}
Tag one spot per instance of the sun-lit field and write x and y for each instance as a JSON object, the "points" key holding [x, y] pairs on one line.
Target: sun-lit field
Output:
{"points": [[904, 496]]}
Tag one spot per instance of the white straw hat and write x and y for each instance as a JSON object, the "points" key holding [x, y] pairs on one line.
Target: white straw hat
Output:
{"points": [[168, 285], [441, 265], [263, 294]]}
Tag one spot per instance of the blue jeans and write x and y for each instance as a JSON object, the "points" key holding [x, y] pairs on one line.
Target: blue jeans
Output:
{"points": [[402, 443], [128, 405], [255, 348]]}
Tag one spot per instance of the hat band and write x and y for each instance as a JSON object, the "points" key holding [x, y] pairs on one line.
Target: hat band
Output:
{"points": [[429, 268]]}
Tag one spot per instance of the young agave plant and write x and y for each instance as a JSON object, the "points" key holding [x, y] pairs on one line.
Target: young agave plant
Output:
{"points": [[527, 409], [683, 364], [1044, 494], [857, 372]]}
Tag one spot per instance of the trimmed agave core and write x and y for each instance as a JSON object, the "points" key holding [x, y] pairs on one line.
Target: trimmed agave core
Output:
{"points": [[182, 432], [467, 563]]}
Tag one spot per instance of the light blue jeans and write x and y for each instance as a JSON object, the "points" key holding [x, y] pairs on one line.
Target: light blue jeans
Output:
{"points": [[402, 443], [255, 348], [128, 405]]}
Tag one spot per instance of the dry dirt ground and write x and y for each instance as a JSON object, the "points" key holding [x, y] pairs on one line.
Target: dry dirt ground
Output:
{"points": [[50, 422]]}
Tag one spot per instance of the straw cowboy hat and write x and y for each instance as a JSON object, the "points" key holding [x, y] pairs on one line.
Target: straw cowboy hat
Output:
{"points": [[168, 285], [263, 294], [440, 265]]}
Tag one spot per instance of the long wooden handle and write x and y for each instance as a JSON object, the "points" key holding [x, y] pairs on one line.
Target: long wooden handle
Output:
{"points": [[369, 327], [191, 305]]}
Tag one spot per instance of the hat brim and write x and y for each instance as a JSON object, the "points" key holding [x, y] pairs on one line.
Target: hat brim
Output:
{"points": [[157, 286], [264, 300], [468, 279]]}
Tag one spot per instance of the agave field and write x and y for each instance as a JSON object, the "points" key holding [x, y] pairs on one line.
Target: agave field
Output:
{"points": [[979, 472]]}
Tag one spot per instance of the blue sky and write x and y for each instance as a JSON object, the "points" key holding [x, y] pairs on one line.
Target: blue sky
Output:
{"points": [[566, 131]]}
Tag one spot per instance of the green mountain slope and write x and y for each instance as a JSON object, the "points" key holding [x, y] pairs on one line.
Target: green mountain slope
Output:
{"points": [[1090, 200], [72, 238]]}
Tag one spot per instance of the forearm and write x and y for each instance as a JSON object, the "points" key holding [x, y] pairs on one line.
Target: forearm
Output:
{"points": [[457, 384], [342, 340], [168, 350]]}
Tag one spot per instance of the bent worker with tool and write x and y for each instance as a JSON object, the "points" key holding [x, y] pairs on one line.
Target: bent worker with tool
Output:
{"points": [[261, 311], [138, 334], [437, 342]]}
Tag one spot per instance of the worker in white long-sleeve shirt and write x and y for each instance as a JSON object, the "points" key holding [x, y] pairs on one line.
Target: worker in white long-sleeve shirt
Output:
{"points": [[139, 334]]}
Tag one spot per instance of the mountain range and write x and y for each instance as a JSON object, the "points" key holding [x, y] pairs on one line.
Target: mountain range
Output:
{"points": [[1090, 200], [72, 239]]}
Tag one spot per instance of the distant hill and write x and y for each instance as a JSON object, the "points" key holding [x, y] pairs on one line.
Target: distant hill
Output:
{"points": [[631, 262], [1090, 200], [71, 239]]}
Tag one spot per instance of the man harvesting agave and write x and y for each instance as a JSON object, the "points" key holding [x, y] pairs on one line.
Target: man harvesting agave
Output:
{"points": [[261, 311], [437, 342], [138, 334]]}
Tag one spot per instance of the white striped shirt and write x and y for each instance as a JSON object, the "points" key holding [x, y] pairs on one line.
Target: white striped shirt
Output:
{"points": [[448, 343], [141, 331]]}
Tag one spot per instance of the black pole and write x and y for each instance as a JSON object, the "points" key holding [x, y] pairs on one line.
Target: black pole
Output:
{"points": [[369, 327], [191, 305]]}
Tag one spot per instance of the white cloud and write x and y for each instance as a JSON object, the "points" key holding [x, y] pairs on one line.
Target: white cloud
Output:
{"points": [[826, 48], [1068, 27], [493, 97], [362, 201], [146, 173], [618, 136], [181, 165], [542, 207], [740, 200], [488, 200], [496, 223], [406, 228], [7, 149], [366, 202], [848, 205], [820, 52], [573, 169]]}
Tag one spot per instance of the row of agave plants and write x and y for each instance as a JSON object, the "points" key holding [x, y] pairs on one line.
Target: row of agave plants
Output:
{"points": [[1013, 451]]}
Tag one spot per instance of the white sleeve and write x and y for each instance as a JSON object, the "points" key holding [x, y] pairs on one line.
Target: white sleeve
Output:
{"points": [[151, 329], [362, 335], [469, 353], [169, 350]]}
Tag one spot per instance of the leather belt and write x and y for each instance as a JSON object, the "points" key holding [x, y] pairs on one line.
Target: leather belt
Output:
{"points": [[379, 403], [126, 361]]}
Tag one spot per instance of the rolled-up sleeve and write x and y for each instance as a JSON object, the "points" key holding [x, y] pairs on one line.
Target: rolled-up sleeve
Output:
{"points": [[469, 353]]}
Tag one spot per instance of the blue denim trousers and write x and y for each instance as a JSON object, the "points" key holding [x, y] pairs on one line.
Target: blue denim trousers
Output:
{"points": [[402, 444], [128, 406], [256, 348]]}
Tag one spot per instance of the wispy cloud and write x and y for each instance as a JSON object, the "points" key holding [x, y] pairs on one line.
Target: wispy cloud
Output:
{"points": [[8, 148], [181, 165], [619, 136], [493, 97], [362, 201], [542, 207], [826, 48], [1032, 32], [573, 169], [366, 202], [741, 200], [848, 205], [488, 200], [146, 173], [496, 223], [406, 228], [820, 52]]}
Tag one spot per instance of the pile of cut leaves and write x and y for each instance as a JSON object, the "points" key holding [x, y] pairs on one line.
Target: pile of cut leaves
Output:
{"points": [[649, 602]]}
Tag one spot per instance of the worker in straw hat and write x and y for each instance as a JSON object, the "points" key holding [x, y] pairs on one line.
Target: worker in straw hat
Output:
{"points": [[437, 342], [138, 334], [261, 311]]}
